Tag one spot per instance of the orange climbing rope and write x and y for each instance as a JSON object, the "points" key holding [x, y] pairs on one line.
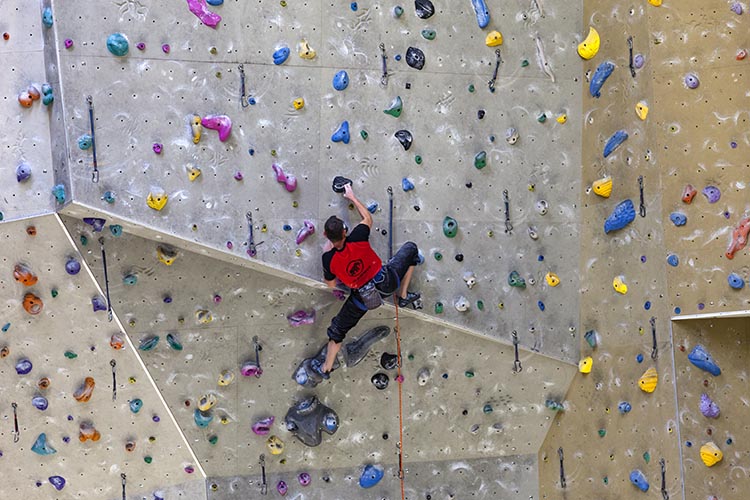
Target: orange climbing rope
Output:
{"points": [[400, 402]]}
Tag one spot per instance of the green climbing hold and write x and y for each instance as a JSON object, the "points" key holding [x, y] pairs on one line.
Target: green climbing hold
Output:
{"points": [[602, 433], [418, 160], [480, 305], [398, 11], [469, 374], [606, 480], [438, 308], [148, 459], [480, 160], [173, 342], [70, 355], [363, 134], [515, 280], [410, 357], [471, 88], [397, 105], [213, 439], [542, 118], [450, 227], [487, 409], [438, 256], [84, 240], [524, 63], [428, 34], [647, 457], [2, 216], [54, 292]]}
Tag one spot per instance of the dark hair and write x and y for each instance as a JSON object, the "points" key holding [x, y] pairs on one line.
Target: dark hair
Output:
{"points": [[334, 229]]}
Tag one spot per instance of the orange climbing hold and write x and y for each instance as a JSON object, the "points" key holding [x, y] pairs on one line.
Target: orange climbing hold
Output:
{"points": [[688, 193], [32, 304], [83, 394], [116, 342], [87, 432], [739, 238], [741, 54], [23, 275]]}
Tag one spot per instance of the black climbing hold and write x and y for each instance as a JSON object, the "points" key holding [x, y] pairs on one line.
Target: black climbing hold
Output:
{"points": [[465, 412], [380, 381], [424, 9], [416, 207], [469, 185], [388, 361], [385, 436], [408, 86], [480, 114], [460, 257], [405, 138], [415, 58], [383, 232], [339, 182]]}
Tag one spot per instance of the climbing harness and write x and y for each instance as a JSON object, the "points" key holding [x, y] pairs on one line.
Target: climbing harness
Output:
{"points": [[498, 60], [664, 493], [642, 209], [400, 402], [562, 469], [243, 97], [106, 279], [384, 64], [517, 368], [263, 482], [390, 222], [630, 48], [95, 173], [113, 364], [16, 433], [506, 201], [251, 245], [123, 477], [654, 348]]}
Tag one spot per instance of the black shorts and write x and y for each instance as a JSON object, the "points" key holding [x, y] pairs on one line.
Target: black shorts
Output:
{"points": [[389, 278]]}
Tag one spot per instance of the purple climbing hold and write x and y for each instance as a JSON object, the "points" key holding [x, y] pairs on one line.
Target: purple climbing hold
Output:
{"points": [[736, 7], [263, 426], [691, 81], [301, 318], [304, 479], [282, 488], [23, 172], [23, 367], [58, 482], [39, 402], [68, 43], [709, 409], [72, 267], [638, 61], [712, 193], [95, 222], [306, 230], [98, 304]]}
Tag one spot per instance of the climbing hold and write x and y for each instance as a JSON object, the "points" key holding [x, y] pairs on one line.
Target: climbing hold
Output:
{"points": [[195, 126], [32, 304], [700, 357], [712, 193], [202, 419], [552, 279], [621, 216], [678, 219], [470, 279], [655, 3], [739, 238], [157, 199], [673, 260], [708, 407], [203, 316], [298, 103], [648, 380], [206, 402], [711, 454], [98, 304], [25, 99], [58, 482], [641, 109], [339, 183], [157, 147], [117, 44], [280, 55], [305, 51], [166, 255], [23, 172], [342, 133], [41, 447], [289, 180], [398, 11], [200, 9], [542, 118], [226, 378], [424, 8], [736, 7], [380, 381], [423, 376], [480, 160], [87, 432], [637, 477], [691, 81], [554, 405], [148, 343], [589, 47], [624, 407], [58, 191], [282, 488], [481, 12], [397, 105], [429, 34], [263, 427], [741, 54], [306, 230], [493, 39], [515, 280], [304, 479], [405, 138], [39, 402], [603, 187], [341, 80], [96, 223], [619, 285], [84, 142], [70, 355], [600, 76], [23, 275], [688, 193], [585, 365], [591, 338], [220, 123], [450, 226], [308, 419], [736, 281], [563, 118], [415, 58], [511, 136], [84, 393], [614, 142], [47, 19], [130, 279], [135, 405], [301, 317], [116, 230], [388, 361], [407, 185]]}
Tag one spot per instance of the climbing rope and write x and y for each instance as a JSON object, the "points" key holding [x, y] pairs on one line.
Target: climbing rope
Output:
{"points": [[400, 402]]}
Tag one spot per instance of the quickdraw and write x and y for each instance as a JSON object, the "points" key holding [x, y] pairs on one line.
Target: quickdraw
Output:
{"points": [[630, 48], [517, 368], [642, 209], [506, 201], [106, 279], [113, 364], [243, 96], [498, 60], [95, 173], [384, 65]]}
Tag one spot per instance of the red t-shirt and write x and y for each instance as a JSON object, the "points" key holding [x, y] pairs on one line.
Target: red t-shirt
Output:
{"points": [[356, 263]]}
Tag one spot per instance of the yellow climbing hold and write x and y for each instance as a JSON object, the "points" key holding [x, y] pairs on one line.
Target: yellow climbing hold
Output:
{"points": [[603, 187], [619, 284], [588, 48], [298, 103], [157, 200], [655, 3], [226, 378], [206, 402], [305, 51], [552, 279], [493, 39], [641, 110], [648, 380], [585, 365], [562, 118], [195, 124], [193, 173], [275, 445], [167, 256], [711, 454]]}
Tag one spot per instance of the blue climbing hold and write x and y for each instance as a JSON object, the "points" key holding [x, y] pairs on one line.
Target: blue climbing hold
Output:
{"points": [[621, 216], [639, 358], [117, 44], [58, 482], [136, 405], [341, 80], [116, 230], [639, 480], [673, 260], [84, 142], [23, 367], [736, 281], [678, 219], [202, 419], [47, 20], [624, 407], [614, 142], [342, 133], [23, 172], [214, 2], [483, 14], [540, 304], [600, 76], [40, 403], [372, 207], [700, 357], [353, 6], [370, 476], [281, 55], [59, 193], [40, 446], [406, 184]]}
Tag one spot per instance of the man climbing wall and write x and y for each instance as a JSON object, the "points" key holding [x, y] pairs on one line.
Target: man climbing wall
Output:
{"points": [[352, 260]]}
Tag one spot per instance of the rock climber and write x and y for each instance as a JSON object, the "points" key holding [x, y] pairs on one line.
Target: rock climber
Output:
{"points": [[350, 259]]}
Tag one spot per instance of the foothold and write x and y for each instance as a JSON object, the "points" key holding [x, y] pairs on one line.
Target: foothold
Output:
{"points": [[552, 279], [639, 480], [736, 281], [117, 44], [541, 208], [165, 48], [341, 80], [203, 316], [116, 230], [281, 55], [619, 285], [47, 19], [371, 476], [148, 343], [380, 381], [621, 216], [739, 238], [741, 55], [688, 193], [638, 61], [200, 9], [470, 279], [624, 407], [226, 378], [450, 227], [282, 488], [603, 187], [58, 192], [166, 255], [116, 342], [196, 128], [84, 393], [614, 142], [23, 172], [482, 13], [673, 260], [25, 100], [298, 103], [32, 304], [304, 479], [202, 419], [221, 123], [415, 58], [342, 133], [589, 47], [405, 138], [562, 119], [39, 402], [308, 419], [263, 427], [591, 338], [711, 454], [98, 304], [678, 219], [515, 280], [58, 482], [423, 376], [398, 11], [511, 136], [480, 160], [157, 147], [600, 76], [23, 275], [648, 380], [424, 9], [301, 317], [206, 402], [305, 51], [157, 199], [641, 109], [96, 223], [289, 180], [692, 81], [712, 193], [388, 361], [306, 230], [87, 432], [461, 304], [407, 185], [428, 34], [397, 105], [135, 405], [173, 343], [41, 447], [700, 357], [585, 365], [554, 405]]}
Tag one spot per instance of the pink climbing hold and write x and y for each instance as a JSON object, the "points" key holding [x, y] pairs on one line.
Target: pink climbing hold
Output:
{"points": [[304, 232], [222, 123], [263, 427], [301, 318], [739, 238], [200, 9], [288, 180]]}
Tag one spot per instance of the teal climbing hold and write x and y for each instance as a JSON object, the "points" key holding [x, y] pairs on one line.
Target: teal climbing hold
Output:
{"points": [[117, 44], [173, 342], [47, 19], [130, 279], [428, 34], [41, 447], [202, 419], [84, 142], [480, 160], [397, 105], [116, 230], [553, 405], [450, 227], [148, 343], [590, 337], [515, 280], [136, 405], [59, 193]]}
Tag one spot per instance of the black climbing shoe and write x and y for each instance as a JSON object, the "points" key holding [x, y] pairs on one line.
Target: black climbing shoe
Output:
{"points": [[410, 298], [339, 182]]}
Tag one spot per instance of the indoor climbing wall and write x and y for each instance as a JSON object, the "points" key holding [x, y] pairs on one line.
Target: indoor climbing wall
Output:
{"points": [[464, 410], [67, 431]]}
